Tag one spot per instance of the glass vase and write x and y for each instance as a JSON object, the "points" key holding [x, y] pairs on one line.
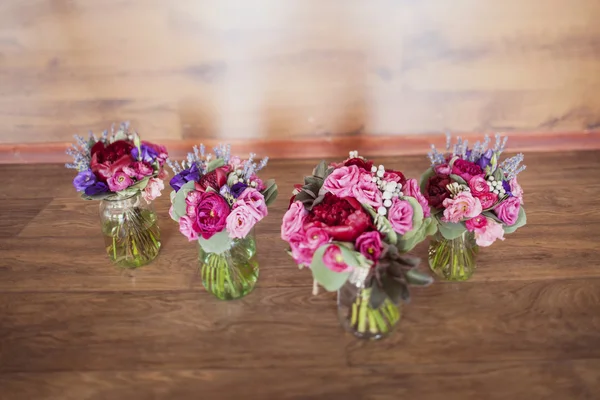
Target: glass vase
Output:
{"points": [[232, 273], [453, 260], [358, 317], [130, 229]]}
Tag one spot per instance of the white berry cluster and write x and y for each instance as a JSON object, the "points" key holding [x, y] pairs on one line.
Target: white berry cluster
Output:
{"points": [[239, 179], [390, 190], [495, 186]]}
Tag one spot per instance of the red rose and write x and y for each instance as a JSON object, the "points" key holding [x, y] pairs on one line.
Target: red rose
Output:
{"points": [[466, 169], [360, 163], [394, 176], [107, 160], [214, 179], [435, 190], [342, 219]]}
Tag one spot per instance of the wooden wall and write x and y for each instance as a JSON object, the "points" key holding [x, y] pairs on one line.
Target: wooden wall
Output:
{"points": [[283, 69]]}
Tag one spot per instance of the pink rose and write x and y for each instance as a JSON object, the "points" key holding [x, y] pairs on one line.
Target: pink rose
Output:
{"points": [[153, 189], [443, 169], [315, 237], [342, 180], [256, 199], [478, 186], [493, 231], [302, 253], [466, 169], [241, 220], [333, 259], [477, 224], [462, 206], [119, 181], [186, 228], [191, 200], [400, 216], [508, 210], [293, 221], [366, 191], [487, 200], [369, 245], [516, 190], [411, 188]]}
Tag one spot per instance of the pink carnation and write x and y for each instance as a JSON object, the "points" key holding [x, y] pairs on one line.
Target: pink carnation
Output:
{"points": [[242, 219], [493, 231], [186, 227], [462, 206], [516, 190], [333, 259], [366, 191], [153, 189], [400, 216], [343, 180], [508, 210], [256, 199], [411, 188], [293, 221], [477, 224]]}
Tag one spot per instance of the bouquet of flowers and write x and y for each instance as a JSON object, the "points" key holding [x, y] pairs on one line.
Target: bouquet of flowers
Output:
{"points": [[117, 167], [217, 199], [350, 223]]}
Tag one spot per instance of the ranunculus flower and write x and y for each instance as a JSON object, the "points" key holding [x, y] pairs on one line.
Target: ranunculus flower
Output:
{"points": [[342, 180], [462, 206], [485, 159], [96, 188], [256, 200], [466, 169], [210, 214], [394, 176], [400, 216], [366, 191], [477, 224], [119, 181], [186, 227], [83, 180], [360, 163], [442, 169], [411, 188], [478, 185], [436, 191], [343, 219], [369, 245], [487, 200], [242, 219], [293, 221], [333, 259], [214, 179], [493, 231], [153, 189], [508, 210], [315, 237], [107, 160], [516, 190]]}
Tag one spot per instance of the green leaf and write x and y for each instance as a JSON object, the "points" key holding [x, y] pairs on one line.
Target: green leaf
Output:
{"points": [[130, 191], [417, 219], [141, 185], [214, 164], [377, 296], [96, 196], [172, 195], [498, 174], [424, 178], [271, 192], [395, 290], [428, 228], [382, 224], [327, 278], [521, 221], [451, 230], [414, 277], [320, 169], [458, 179], [493, 216], [179, 205], [217, 244]]}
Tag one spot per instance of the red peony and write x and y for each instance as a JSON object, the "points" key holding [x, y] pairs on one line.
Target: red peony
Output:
{"points": [[466, 169], [342, 219], [360, 163], [394, 176], [108, 160], [435, 190], [214, 179]]}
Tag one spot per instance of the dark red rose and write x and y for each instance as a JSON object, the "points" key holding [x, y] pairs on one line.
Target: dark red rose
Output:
{"points": [[107, 160], [360, 163], [342, 219], [214, 179], [394, 176], [435, 190], [466, 169]]}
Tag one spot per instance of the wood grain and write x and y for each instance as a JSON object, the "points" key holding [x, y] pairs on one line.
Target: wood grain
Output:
{"points": [[74, 327]]}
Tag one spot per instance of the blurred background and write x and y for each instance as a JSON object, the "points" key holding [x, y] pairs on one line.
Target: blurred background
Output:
{"points": [[277, 71]]}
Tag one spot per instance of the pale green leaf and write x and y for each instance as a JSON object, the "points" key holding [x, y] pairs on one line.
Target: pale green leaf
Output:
{"points": [[382, 224], [521, 221], [450, 230], [179, 205], [417, 219], [414, 277], [458, 179], [327, 278], [217, 244], [424, 178], [214, 164]]}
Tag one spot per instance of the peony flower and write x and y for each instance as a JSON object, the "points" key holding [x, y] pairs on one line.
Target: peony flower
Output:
{"points": [[400, 216], [466, 169], [107, 160], [211, 213], [436, 191], [119, 181], [334, 260], [186, 227], [83, 180], [293, 221], [478, 185], [477, 224], [255, 199], [241, 220], [369, 245], [411, 188], [516, 190], [462, 206], [366, 191], [487, 200], [342, 180], [342, 219], [493, 231], [442, 169], [214, 179], [153, 189], [508, 210]]}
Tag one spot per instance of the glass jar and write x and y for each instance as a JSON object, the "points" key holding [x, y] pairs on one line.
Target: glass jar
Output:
{"points": [[130, 229], [231, 273], [453, 260], [358, 317]]}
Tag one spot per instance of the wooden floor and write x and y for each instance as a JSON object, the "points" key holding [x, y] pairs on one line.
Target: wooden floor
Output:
{"points": [[527, 326]]}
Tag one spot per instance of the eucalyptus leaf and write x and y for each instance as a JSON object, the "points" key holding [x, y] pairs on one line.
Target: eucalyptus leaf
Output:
{"points": [[417, 278], [493, 216], [327, 278], [498, 174], [382, 224], [217, 244], [396, 290], [417, 219], [271, 192], [424, 178], [377, 296], [458, 179], [141, 185], [427, 228], [179, 205], [521, 221], [172, 195], [451, 230], [320, 169], [125, 193], [214, 164]]}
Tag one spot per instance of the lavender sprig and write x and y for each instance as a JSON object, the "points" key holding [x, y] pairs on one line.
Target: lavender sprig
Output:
{"points": [[511, 166]]}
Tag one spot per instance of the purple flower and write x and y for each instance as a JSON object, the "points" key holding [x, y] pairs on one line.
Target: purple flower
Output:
{"points": [[191, 174], [238, 189], [485, 159], [148, 153], [506, 186], [96, 188], [83, 180]]}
